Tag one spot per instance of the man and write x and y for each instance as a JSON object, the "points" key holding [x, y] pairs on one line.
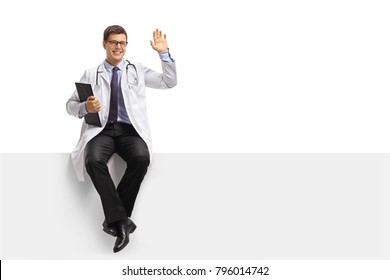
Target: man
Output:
{"points": [[119, 99]]}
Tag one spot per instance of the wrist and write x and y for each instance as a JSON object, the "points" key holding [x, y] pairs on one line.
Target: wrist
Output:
{"points": [[165, 56]]}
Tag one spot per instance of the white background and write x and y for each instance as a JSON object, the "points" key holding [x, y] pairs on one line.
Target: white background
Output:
{"points": [[254, 76]]}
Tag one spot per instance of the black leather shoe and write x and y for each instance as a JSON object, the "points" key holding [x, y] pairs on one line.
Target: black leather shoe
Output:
{"points": [[111, 230], [124, 228]]}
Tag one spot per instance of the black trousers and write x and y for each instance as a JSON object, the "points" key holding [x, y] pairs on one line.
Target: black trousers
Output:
{"points": [[118, 202]]}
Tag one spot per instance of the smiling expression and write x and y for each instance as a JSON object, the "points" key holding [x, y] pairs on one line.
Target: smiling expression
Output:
{"points": [[115, 53]]}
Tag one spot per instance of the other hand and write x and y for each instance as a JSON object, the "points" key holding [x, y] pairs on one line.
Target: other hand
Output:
{"points": [[159, 42], [92, 105]]}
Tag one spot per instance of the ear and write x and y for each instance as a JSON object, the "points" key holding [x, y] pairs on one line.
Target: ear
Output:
{"points": [[104, 44]]}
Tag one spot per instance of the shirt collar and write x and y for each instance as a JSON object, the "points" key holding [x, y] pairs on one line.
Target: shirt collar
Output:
{"points": [[109, 67]]}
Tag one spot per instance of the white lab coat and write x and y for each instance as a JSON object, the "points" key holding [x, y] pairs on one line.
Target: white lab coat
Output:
{"points": [[133, 95]]}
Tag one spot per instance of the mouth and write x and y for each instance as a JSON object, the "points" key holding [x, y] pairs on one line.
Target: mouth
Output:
{"points": [[117, 52]]}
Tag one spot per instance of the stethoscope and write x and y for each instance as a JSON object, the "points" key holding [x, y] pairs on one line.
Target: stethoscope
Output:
{"points": [[131, 83]]}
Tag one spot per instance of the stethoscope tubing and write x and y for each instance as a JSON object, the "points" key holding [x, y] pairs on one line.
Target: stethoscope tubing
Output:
{"points": [[127, 74]]}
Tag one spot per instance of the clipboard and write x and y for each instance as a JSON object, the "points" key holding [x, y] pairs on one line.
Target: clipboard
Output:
{"points": [[84, 91]]}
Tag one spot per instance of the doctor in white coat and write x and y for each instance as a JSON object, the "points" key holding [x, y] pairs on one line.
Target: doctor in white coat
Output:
{"points": [[119, 99]]}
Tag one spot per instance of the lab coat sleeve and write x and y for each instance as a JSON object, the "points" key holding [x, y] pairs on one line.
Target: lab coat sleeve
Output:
{"points": [[73, 105], [166, 79]]}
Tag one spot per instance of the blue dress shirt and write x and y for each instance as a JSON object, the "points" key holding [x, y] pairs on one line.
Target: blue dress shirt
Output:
{"points": [[122, 113]]}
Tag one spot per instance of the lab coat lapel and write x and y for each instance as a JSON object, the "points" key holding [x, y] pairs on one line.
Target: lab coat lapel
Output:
{"points": [[104, 93], [103, 74]]}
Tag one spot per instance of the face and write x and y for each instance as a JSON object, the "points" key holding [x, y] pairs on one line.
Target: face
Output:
{"points": [[116, 52]]}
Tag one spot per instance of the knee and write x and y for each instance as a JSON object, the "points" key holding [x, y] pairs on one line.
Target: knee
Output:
{"points": [[142, 160], [92, 162]]}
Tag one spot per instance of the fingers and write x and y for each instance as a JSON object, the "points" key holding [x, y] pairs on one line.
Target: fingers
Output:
{"points": [[158, 35], [92, 105], [159, 42]]}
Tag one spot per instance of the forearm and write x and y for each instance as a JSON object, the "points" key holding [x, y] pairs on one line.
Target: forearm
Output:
{"points": [[158, 80], [165, 56], [169, 78], [76, 108], [166, 79]]}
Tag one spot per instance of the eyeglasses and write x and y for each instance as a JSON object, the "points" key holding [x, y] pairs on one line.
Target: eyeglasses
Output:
{"points": [[115, 43]]}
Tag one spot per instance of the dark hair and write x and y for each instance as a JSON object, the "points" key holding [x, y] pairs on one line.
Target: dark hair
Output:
{"points": [[116, 29]]}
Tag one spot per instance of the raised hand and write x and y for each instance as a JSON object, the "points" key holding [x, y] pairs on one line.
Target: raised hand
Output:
{"points": [[159, 42]]}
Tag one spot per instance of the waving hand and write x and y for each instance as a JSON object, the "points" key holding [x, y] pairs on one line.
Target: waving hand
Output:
{"points": [[159, 42]]}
